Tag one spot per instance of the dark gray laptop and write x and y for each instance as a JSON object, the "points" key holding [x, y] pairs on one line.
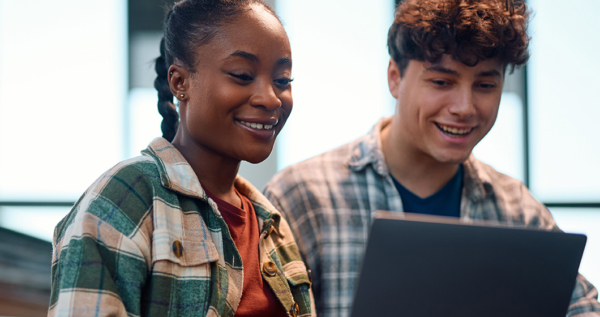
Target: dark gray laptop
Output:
{"points": [[435, 266]]}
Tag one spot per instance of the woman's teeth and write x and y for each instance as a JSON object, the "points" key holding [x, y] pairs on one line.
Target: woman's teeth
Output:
{"points": [[258, 126], [455, 131]]}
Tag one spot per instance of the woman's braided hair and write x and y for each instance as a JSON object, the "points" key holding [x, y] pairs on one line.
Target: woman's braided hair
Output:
{"points": [[468, 30], [188, 25]]}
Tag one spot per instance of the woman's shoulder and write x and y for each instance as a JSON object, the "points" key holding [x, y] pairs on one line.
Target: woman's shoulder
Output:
{"points": [[120, 198]]}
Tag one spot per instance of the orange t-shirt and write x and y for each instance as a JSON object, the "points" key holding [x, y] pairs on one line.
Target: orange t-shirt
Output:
{"points": [[258, 298]]}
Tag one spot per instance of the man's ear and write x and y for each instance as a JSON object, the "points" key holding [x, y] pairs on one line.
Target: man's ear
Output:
{"points": [[179, 81], [393, 78]]}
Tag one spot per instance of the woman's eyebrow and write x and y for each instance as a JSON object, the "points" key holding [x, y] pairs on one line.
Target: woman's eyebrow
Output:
{"points": [[284, 60], [249, 56]]}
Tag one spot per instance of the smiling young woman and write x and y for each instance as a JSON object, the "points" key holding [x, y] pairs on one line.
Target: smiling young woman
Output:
{"points": [[175, 231]]}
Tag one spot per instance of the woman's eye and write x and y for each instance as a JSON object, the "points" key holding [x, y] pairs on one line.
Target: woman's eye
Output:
{"points": [[283, 82], [243, 77]]}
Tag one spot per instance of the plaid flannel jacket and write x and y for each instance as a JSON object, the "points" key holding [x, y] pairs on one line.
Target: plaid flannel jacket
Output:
{"points": [[145, 240], [328, 201]]}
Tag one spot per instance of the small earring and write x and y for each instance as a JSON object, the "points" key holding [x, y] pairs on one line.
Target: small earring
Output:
{"points": [[182, 96]]}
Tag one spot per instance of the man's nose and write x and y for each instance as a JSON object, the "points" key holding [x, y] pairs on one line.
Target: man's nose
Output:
{"points": [[463, 104]]}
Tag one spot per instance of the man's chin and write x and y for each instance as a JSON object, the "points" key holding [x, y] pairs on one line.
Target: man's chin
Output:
{"points": [[452, 158]]}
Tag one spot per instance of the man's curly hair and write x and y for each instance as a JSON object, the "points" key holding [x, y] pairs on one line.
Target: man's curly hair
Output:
{"points": [[469, 30]]}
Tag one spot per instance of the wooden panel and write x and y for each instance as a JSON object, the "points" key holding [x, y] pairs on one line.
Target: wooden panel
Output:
{"points": [[25, 264]]}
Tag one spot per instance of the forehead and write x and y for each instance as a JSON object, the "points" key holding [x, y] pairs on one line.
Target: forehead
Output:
{"points": [[255, 31], [448, 65]]}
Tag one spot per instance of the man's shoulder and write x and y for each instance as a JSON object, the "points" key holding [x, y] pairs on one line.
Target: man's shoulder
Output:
{"points": [[513, 200], [484, 174], [325, 167]]}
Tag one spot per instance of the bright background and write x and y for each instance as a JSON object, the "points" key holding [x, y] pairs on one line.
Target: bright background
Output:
{"points": [[76, 97]]}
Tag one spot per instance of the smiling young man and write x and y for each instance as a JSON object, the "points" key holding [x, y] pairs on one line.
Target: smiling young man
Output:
{"points": [[447, 68]]}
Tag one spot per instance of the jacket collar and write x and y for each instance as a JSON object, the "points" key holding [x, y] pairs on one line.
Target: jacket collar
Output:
{"points": [[367, 150], [175, 172], [177, 175]]}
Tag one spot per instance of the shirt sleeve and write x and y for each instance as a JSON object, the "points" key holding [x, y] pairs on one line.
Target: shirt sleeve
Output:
{"points": [[584, 301]]}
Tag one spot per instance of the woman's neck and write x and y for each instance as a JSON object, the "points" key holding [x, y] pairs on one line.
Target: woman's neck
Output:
{"points": [[216, 173]]}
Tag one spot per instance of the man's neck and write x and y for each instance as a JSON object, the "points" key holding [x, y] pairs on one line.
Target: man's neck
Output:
{"points": [[416, 171]]}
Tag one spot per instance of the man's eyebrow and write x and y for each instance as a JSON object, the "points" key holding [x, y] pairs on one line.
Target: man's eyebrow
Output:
{"points": [[489, 73], [440, 69], [249, 56]]}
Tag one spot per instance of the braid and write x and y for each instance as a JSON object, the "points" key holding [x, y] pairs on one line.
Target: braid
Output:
{"points": [[166, 108]]}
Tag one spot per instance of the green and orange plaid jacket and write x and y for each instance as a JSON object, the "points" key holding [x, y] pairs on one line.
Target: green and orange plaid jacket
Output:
{"points": [[145, 240]]}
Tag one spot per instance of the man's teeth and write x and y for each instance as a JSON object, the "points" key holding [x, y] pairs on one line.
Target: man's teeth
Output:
{"points": [[258, 126], [455, 130]]}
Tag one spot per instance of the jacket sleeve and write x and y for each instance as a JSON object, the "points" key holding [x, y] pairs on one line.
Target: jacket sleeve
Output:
{"points": [[96, 270], [100, 253]]}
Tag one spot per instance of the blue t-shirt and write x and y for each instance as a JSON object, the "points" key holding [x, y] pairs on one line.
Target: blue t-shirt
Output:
{"points": [[445, 202]]}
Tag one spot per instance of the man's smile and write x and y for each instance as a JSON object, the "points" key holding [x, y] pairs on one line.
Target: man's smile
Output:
{"points": [[454, 131]]}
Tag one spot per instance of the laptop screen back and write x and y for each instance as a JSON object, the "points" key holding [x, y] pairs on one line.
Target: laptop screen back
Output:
{"points": [[417, 268]]}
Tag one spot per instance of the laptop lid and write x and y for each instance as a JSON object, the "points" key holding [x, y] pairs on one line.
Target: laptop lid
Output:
{"points": [[437, 266]]}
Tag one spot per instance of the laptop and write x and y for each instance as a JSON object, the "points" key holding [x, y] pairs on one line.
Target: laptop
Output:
{"points": [[417, 265]]}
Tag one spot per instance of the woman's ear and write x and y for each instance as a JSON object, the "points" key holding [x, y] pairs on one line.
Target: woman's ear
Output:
{"points": [[179, 81]]}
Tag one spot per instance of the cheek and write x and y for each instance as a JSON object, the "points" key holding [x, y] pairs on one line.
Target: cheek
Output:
{"points": [[287, 103], [214, 103], [488, 111], [426, 106]]}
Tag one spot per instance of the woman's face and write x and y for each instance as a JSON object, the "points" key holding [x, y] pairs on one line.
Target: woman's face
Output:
{"points": [[239, 97]]}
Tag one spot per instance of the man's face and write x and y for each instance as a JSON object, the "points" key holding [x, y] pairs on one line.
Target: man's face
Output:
{"points": [[444, 109]]}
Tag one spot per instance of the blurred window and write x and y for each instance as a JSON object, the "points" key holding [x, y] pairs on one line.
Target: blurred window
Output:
{"points": [[564, 107], [340, 73], [63, 72], [63, 86]]}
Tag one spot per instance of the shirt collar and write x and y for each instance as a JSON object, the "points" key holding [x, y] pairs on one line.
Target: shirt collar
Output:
{"points": [[177, 175], [477, 181], [367, 150]]}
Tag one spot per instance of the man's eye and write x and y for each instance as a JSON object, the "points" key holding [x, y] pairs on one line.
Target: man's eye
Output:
{"points": [[283, 82], [244, 77], [487, 86], [440, 83]]}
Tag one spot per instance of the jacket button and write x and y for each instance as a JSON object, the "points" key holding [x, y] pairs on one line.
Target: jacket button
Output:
{"points": [[294, 310], [270, 268], [269, 231], [178, 248]]}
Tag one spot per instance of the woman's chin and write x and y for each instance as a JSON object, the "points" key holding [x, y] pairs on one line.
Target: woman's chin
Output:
{"points": [[257, 155]]}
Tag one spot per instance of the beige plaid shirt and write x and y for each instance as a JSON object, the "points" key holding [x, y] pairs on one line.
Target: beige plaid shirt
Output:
{"points": [[328, 201]]}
